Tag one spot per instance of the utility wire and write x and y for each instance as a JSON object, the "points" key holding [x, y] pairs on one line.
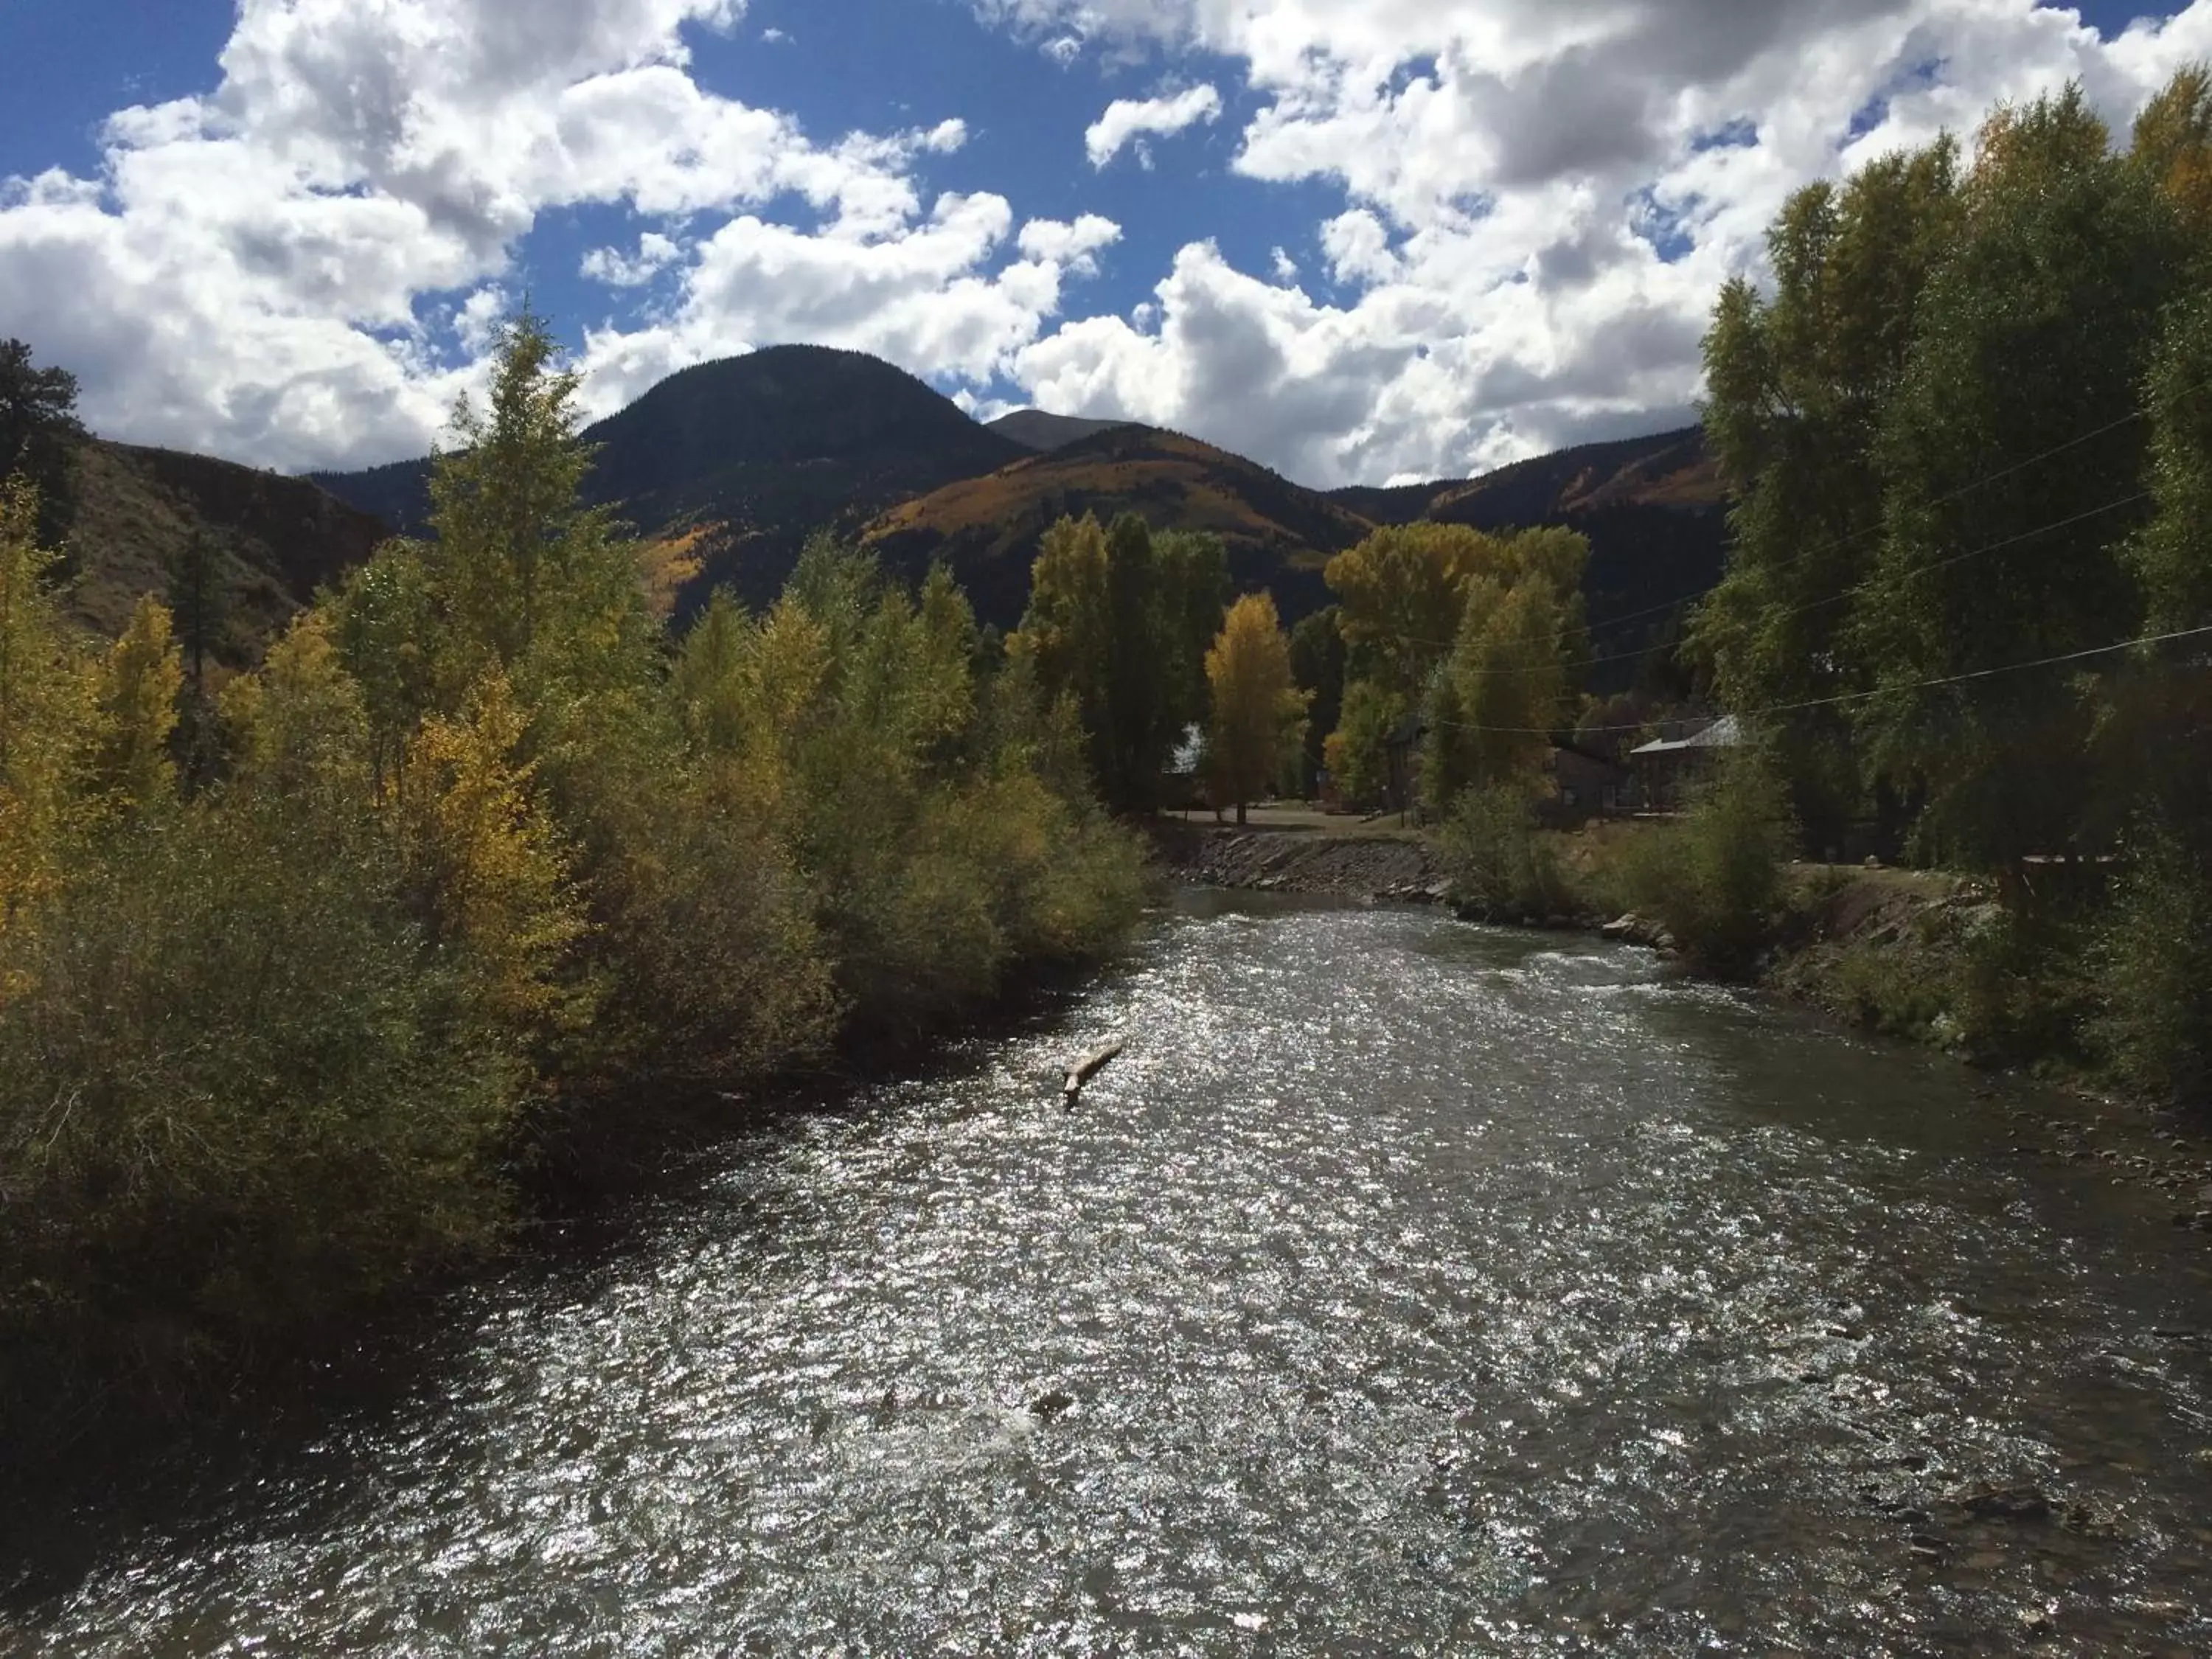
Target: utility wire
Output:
{"points": [[1855, 696], [1810, 605], [2141, 412]]}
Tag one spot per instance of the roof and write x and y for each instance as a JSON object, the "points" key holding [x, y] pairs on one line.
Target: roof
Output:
{"points": [[1722, 733]]}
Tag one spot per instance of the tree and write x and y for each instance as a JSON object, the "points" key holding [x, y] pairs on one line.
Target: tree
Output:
{"points": [[2172, 149], [488, 874], [1398, 592], [1194, 576], [200, 603], [1509, 680], [138, 690], [1111, 623], [1317, 657], [39, 433], [2033, 338], [1799, 384], [523, 579], [1358, 752], [1258, 722], [45, 708]]}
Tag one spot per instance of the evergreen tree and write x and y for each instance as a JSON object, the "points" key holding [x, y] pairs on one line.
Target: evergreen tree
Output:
{"points": [[39, 433]]}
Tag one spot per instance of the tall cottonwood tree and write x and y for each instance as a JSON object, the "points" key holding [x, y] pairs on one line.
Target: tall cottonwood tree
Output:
{"points": [[1258, 721], [2013, 468], [1120, 620], [1799, 382]]}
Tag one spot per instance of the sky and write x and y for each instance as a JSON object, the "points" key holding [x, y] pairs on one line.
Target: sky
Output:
{"points": [[1359, 240]]}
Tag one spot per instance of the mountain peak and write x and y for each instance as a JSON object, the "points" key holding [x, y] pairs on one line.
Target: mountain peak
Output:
{"points": [[1033, 429]]}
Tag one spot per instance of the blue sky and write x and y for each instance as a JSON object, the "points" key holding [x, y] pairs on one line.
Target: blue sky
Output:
{"points": [[1359, 239]]}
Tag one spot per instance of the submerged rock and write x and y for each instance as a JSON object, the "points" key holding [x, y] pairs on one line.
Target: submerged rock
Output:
{"points": [[1989, 1502]]}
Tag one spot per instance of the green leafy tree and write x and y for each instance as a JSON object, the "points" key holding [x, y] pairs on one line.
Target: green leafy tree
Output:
{"points": [[1357, 751], [1799, 383], [2034, 335], [1111, 623]]}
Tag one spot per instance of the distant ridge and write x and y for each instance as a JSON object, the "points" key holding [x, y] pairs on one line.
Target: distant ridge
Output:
{"points": [[730, 466], [1279, 533], [761, 451], [276, 539], [1033, 429]]}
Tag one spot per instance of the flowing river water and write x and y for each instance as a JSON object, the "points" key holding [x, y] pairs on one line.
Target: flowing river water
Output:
{"points": [[1406, 1287]]}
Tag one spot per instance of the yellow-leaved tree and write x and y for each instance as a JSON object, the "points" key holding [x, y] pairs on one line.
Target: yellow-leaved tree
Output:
{"points": [[138, 686], [46, 709], [1259, 713], [487, 866]]}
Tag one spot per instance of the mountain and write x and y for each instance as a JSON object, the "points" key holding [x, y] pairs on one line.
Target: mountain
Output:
{"points": [[1655, 509], [988, 528], [1032, 428], [278, 539], [745, 457], [728, 466]]}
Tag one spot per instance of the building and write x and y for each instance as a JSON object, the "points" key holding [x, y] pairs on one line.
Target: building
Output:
{"points": [[1669, 768], [1586, 783]]}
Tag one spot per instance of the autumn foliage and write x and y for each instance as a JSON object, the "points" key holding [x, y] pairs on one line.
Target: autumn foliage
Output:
{"points": [[483, 859]]}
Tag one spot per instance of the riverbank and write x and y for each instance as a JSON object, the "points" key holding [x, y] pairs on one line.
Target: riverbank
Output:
{"points": [[1515, 1259], [1380, 867], [1912, 954]]}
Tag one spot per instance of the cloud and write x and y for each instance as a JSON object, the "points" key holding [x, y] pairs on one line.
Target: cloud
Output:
{"points": [[1539, 199], [302, 267], [1129, 121], [1527, 208], [655, 252]]}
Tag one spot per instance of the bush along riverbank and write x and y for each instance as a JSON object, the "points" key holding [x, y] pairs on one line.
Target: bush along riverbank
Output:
{"points": [[2094, 977], [480, 860]]}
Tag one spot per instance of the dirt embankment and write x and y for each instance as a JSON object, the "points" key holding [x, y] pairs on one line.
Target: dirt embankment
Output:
{"points": [[1302, 861]]}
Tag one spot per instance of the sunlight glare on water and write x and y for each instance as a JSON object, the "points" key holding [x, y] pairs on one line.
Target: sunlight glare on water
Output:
{"points": [[1405, 1287]]}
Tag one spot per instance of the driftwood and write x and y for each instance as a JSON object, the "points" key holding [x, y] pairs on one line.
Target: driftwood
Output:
{"points": [[1084, 1069]]}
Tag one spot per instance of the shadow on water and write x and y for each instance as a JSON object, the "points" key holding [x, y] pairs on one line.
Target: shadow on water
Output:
{"points": [[1405, 1287], [129, 1477]]}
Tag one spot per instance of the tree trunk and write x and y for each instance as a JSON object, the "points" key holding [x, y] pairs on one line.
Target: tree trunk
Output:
{"points": [[1240, 815]]}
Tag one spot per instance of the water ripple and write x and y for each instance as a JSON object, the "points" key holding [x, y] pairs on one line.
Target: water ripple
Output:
{"points": [[1403, 1288]]}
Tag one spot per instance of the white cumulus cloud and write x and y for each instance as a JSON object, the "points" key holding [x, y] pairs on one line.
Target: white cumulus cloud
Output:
{"points": [[1129, 121], [1538, 200], [303, 266]]}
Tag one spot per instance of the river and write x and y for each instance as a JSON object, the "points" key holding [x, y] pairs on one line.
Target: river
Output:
{"points": [[1405, 1287]]}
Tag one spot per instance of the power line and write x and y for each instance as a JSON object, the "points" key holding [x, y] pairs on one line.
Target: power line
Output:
{"points": [[2138, 413], [1811, 605], [1858, 696]]}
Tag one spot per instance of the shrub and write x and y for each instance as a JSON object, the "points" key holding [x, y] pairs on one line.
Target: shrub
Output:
{"points": [[1501, 867], [1715, 880], [237, 1091], [2156, 963]]}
